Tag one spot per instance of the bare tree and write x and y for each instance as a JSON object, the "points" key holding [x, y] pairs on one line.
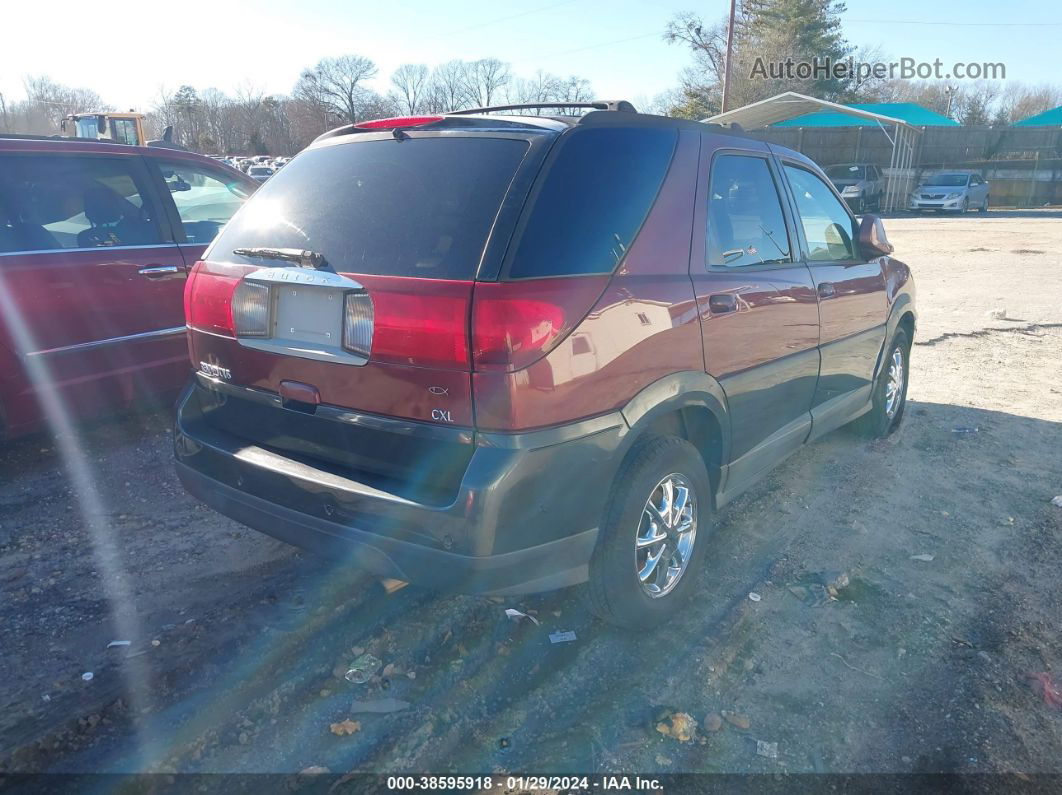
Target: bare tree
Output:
{"points": [[340, 83], [446, 89], [484, 81], [411, 82], [48, 102]]}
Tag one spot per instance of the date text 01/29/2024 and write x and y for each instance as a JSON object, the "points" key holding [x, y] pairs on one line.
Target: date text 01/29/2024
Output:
{"points": [[523, 783]]}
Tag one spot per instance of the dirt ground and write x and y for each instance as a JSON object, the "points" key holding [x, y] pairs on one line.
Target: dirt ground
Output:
{"points": [[922, 662]]}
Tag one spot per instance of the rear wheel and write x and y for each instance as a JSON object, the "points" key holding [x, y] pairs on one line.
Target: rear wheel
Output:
{"points": [[654, 536], [890, 393]]}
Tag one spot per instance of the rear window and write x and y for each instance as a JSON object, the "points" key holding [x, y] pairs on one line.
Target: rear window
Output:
{"points": [[597, 193], [418, 207]]}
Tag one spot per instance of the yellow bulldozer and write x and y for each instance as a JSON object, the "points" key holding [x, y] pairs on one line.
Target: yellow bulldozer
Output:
{"points": [[118, 128]]}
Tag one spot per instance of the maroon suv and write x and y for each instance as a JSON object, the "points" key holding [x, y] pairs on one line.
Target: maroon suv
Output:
{"points": [[96, 241], [507, 354]]}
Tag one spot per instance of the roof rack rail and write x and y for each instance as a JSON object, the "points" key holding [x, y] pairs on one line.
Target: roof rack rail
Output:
{"points": [[621, 105]]}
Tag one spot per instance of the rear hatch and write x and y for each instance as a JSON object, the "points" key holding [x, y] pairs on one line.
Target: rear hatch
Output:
{"points": [[343, 291]]}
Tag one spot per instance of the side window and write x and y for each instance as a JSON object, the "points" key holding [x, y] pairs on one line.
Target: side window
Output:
{"points": [[206, 199], [597, 193], [828, 227], [975, 180], [61, 201], [123, 131], [745, 221]]}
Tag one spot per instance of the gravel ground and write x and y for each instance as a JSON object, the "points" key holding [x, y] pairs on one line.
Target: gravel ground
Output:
{"points": [[945, 533]]}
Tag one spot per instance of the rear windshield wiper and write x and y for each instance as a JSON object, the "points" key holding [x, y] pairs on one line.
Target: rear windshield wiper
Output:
{"points": [[301, 257]]}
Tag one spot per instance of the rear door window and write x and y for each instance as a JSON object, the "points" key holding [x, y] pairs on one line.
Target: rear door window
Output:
{"points": [[597, 192], [57, 202], [745, 221], [416, 207]]}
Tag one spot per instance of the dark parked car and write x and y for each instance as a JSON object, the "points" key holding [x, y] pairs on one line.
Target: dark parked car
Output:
{"points": [[96, 241], [508, 354]]}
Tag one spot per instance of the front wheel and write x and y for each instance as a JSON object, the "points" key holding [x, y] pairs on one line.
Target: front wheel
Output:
{"points": [[984, 206], [654, 536], [890, 392]]}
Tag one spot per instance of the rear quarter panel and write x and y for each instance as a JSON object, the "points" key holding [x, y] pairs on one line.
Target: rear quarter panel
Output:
{"points": [[643, 327]]}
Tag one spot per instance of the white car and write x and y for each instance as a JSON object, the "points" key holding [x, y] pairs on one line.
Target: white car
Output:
{"points": [[954, 191]]}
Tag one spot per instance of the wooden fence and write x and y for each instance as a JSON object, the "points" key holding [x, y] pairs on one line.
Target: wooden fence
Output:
{"points": [[1022, 164]]}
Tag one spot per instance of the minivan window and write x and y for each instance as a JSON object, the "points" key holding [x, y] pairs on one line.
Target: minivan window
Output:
{"points": [[416, 207], [53, 202], [205, 199], [828, 227], [745, 221], [596, 194]]}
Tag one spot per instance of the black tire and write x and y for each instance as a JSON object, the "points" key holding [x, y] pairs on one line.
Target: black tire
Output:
{"points": [[878, 422], [984, 206], [614, 592]]}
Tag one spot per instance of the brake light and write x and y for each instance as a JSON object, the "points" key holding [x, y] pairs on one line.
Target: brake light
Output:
{"points": [[397, 121], [420, 322], [208, 301], [515, 323]]}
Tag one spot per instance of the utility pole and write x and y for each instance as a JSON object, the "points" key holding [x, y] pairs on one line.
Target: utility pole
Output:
{"points": [[3, 110], [729, 57]]}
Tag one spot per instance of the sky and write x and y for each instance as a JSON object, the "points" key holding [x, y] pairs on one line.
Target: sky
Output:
{"points": [[128, 53]]}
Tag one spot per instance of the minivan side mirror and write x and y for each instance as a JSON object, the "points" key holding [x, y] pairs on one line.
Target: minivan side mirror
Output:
{"points": [[872, 239]]}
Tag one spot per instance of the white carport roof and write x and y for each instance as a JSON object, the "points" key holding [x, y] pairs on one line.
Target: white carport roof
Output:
{"points": [[789, 105]]}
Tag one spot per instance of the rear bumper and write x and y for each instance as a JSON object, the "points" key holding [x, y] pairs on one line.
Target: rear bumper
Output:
{"points": [[524, 518]]}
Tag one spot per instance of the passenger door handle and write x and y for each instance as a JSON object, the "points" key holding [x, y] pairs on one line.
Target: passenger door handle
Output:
{"points": [[827, 290], [722, 303], [155, 271]]}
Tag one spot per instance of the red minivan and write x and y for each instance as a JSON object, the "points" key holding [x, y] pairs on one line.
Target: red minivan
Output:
{"points": [[96, 241], [508, 353]]}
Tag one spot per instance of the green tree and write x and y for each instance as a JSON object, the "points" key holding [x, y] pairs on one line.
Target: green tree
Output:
{"points": [[766, 33]]}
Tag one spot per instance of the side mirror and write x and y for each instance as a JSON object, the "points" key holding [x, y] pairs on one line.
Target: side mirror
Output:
{"points": [[179, 186], [872, 239]]}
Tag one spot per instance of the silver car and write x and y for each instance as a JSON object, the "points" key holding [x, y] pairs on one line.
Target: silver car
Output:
{"points": [[951, 191], [860, 184]]}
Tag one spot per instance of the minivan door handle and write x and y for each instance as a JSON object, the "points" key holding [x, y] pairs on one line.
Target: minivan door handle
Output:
{"points": [[827, 290], [154, 271], [722, 303]]}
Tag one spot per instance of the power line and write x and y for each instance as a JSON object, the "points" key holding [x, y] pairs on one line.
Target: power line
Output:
{"points": [[958, 24], [602, 44], [479, 25]]}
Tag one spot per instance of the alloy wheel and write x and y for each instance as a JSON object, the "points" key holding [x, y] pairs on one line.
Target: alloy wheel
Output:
{"points": [[666, 534], [894, 383]]}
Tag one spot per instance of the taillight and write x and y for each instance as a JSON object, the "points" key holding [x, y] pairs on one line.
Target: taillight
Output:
{"points": [[419, 322], [515, 323], [251, 309], [208, 302]]}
